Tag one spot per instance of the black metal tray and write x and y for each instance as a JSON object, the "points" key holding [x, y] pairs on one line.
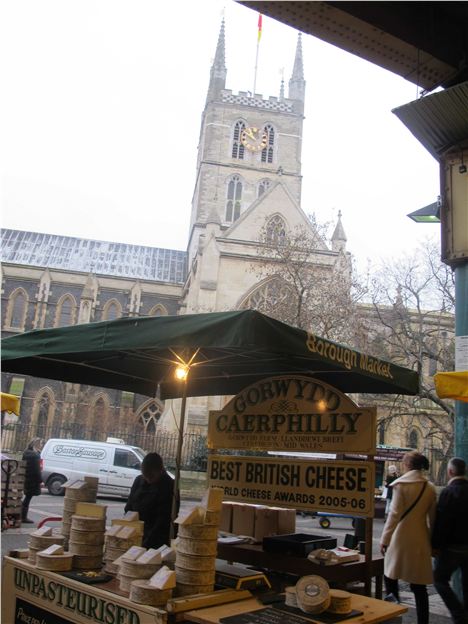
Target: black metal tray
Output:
{"points": [[297, 544]]}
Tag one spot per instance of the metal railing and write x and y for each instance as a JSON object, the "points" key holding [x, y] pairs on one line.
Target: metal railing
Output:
{"points": [[15, 439]]}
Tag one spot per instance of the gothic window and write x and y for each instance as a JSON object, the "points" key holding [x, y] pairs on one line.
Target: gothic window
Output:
{"points": [[237, 147], [149, 415], [65, 311], [263, 186], [413, 439], [268, 295], [44, 412], [112, 310], [275, 229], [99, 417], [17, 309], [267, 153], [381, 432], [234, 197], [158, 310]]}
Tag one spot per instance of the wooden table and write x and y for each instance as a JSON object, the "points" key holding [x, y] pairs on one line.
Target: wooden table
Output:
{"points": [[255, 556], [373, 611]]}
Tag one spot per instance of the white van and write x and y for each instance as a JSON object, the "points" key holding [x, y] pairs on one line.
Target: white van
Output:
{"points": [[116, 465]]}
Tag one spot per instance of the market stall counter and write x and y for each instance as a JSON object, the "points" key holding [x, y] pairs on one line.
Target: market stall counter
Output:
{"points": [[254, 555]]}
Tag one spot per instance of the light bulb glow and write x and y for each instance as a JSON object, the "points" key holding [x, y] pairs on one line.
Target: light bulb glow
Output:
{"points": [[181, 372]]}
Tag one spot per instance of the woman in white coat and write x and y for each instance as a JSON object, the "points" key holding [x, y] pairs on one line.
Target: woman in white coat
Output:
{"points": [[406, 538]]}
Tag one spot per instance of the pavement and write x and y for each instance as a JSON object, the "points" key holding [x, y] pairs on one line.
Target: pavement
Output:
{"points": [[46, 506]]}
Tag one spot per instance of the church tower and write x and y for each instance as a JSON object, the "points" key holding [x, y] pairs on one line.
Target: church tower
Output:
{"points": [[247, 144]]}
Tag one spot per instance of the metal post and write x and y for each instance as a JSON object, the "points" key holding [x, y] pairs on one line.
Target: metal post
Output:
{"points": [[461, 329], [180, 442]]}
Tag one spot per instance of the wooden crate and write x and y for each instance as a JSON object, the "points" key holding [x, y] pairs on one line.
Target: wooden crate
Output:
{"points": [[11, 505]]}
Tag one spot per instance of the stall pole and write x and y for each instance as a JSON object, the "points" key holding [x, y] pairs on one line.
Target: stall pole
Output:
{"points": [[369, 543], [180, 441]]}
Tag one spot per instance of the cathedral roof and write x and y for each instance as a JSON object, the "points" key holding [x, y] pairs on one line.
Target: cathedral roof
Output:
{"points": [[93, 256]]}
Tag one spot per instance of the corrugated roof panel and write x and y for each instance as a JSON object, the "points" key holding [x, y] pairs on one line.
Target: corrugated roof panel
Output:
{"points": [[439, 121]]}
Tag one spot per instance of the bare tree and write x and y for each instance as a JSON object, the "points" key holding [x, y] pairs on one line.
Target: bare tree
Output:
{"points": [[411, 322], [304, 287]]}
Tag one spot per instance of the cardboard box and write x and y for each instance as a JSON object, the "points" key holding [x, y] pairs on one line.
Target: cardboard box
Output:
{"points": [[243, 520], [226, 518], [286, 521], [266, 522]]}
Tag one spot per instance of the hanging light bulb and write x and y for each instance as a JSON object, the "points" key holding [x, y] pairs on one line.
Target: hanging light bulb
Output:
{"points": [[181, 372]]}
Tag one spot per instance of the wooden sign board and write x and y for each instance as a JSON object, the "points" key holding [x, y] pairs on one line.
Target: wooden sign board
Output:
{"points": [[293, 413], [332, 486]]}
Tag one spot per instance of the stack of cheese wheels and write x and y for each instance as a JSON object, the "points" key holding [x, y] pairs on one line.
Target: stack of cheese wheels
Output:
{"points": [[41, 539], [312, 594], [118, 540], [54, 559], [86, 543], [131, 555], [155, 591], [197, 544], [76, 491], [141, 568]]}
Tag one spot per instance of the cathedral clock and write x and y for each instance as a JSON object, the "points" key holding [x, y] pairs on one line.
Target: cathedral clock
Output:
{"points": [[254, 139]]}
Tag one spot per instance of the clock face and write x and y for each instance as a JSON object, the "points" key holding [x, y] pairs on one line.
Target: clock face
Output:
{"points": [[254, 139]]}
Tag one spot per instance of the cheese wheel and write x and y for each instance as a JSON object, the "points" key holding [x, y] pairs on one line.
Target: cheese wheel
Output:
{"points": [[138, 570], [85, 495], [340, 602], [313, 594], [194, 577], [121, 543], [142, 593], [69, 504], [189, 590], [196, 547], [67, 516], [87, 563], [83, 523], [54, 563], [212, 518], [195, 562], [43, 541], [87, 537], [93, 550], [198, 531], [125, 582], [111, 568]]}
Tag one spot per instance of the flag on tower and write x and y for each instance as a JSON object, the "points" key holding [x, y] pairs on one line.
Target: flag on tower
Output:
{"points": [[259, 26]]}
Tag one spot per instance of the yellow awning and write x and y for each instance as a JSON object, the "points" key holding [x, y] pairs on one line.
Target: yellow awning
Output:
{"points": [[10, 403], [452, 385]]}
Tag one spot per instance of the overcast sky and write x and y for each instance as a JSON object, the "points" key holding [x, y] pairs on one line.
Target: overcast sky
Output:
{"points": [[101, 110]]}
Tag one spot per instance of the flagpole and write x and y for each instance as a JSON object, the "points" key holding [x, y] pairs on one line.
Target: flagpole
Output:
{"points": [[259, 35]]}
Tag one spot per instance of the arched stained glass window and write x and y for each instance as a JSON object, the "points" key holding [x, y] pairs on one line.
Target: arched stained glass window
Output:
{"points": [[65, 312], [18, 309], [112, 310], [263, 186], [237, 147], [268, 152], [267, 296], [276, 229], [234, 198], [158, 310]]}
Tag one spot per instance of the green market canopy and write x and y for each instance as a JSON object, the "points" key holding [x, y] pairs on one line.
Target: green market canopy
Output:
{"points": [[227, 352]]}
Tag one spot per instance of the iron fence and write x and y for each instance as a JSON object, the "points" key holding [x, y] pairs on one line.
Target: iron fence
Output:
{"points": [[15, 439]]}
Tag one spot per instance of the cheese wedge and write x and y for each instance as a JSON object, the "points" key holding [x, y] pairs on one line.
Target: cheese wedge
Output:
{"points": [[90, 510], [163, 579]]}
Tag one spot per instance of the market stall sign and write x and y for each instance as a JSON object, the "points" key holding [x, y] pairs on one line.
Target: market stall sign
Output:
{"points": [[293, 413], [333, 486]]}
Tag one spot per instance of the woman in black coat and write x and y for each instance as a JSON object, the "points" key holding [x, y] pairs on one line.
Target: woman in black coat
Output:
{"points": [[33, 476], [151, 496]]}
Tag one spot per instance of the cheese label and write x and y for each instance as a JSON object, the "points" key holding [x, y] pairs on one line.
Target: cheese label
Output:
{"points": [[132, 516], [55, 549], [133, 553], [126, 532], [113, 530], [191, 516], [150, 556], [168, 554], [91, 510], [42, 532], [213, 499], [163, 579]]}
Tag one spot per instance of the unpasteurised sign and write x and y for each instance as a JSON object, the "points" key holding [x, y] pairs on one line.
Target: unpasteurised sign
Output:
{"points": [[333, 486], [293, 413]]}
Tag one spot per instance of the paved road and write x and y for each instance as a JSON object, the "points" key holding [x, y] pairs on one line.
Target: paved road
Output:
{"points": [[45, 506]]}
